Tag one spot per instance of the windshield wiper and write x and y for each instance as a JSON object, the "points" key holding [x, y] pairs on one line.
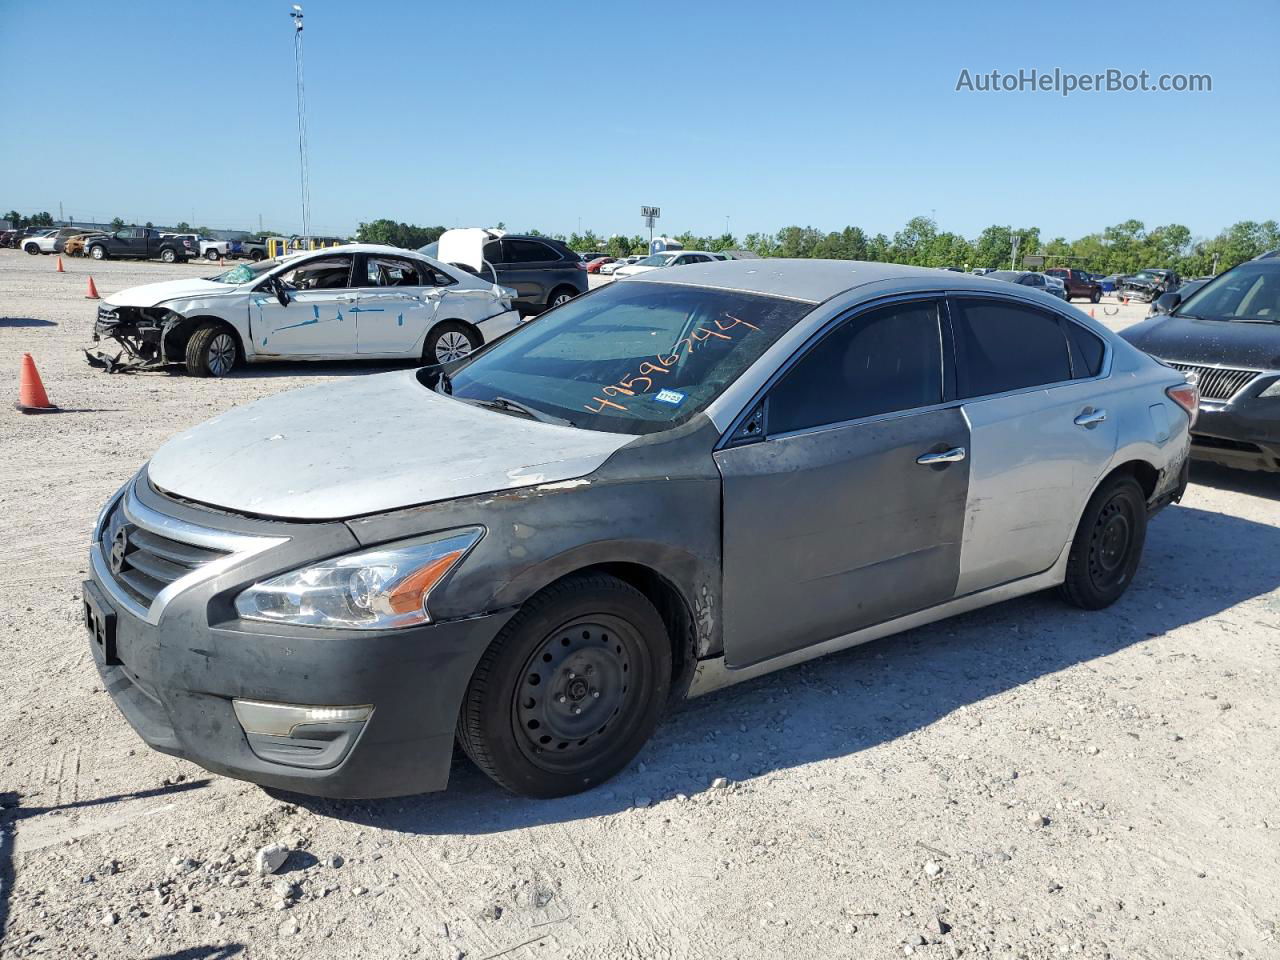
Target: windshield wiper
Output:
{"points": [[504, 403]]}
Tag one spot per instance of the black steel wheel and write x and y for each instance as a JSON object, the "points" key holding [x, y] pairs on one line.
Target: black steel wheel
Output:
{"points": [[569, 690], [1108, 544]]}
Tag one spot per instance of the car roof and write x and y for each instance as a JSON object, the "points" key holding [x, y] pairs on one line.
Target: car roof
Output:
{"points": [[810, 280]]}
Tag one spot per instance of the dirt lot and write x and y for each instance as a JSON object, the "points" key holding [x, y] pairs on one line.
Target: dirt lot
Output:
{"points": [[1024, 781]]}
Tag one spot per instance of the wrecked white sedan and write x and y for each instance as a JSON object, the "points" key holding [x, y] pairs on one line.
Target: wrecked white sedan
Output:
{"points": [[357, 301]]}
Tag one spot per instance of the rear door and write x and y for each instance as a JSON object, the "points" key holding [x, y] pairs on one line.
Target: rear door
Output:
{"points": [[317, 321], [846, 509], [396, 304], [529, 269], [1035, 396]]}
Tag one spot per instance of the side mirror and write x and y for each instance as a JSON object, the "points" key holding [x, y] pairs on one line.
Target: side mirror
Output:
{"points": [[281, 292], [1167, 302]]}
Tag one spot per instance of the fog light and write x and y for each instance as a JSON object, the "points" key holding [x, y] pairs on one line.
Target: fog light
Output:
{"points": [[280, 719]]}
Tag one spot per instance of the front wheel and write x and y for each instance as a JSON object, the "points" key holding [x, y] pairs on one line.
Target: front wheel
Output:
{"points": [[211, 351], [449, 341], [563, 295], [1108, 544], [569, 690], [98, 253], [211, 255], [32, 249]]}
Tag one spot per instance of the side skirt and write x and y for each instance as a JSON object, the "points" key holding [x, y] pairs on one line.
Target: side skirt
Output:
{"points": [[711, 675]]}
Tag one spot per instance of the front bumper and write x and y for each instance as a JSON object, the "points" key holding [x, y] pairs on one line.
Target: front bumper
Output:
{"points": [[1243, 434], [175, 673]]}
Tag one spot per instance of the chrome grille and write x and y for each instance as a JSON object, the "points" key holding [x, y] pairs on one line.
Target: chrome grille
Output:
{"points": [[150, 561], [1216, 383]]}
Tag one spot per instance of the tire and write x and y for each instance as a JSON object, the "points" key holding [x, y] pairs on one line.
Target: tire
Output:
{"points": [[32, 249], [256, 255], [1108, 544], [449, 341], [561, 295], [98, 252], [169, 255], [211, 350], [211, 255], [591, 644], [1095, 296]]}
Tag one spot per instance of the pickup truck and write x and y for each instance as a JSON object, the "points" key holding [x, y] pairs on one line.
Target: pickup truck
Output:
{"points": [[253, 248], [142, 243], [1077, 282], [214, 249]]}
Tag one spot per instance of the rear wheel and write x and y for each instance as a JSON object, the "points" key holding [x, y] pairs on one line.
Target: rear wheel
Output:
{"points": [[169, 255], [1095, 296], [570, 690], [449, 341], [211, 351], [1108, 544]]}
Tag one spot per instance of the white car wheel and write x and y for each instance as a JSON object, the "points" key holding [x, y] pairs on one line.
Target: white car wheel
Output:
{"points": [[452, 345]]}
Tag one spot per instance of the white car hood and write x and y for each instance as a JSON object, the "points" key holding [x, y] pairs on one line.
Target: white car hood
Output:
{"points": [[367, 445], [150, 294]]}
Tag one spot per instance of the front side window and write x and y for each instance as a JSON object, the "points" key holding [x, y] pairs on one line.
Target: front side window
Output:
{"points": [[323, 273], [629, 357], [880, 362], [1003, 346]]}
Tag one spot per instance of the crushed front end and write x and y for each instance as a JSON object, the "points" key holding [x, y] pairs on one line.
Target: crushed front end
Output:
{"points": [[141, 333]]}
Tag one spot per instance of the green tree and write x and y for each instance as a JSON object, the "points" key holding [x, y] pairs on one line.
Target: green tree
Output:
{"points": [[406, 235], [117, 223], [17, 219], [42, 219], [182, 227]]}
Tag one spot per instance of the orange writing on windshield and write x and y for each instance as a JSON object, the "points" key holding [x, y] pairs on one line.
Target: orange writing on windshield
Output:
{"points": [[629, 386]]}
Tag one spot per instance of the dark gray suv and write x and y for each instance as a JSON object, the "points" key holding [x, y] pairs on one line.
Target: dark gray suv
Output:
{"points": [[544, 272]]}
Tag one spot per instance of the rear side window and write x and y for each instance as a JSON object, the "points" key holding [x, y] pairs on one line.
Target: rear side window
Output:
{"points": [[1003, 346], [879, 362], [528, 251], [1086, 351]]}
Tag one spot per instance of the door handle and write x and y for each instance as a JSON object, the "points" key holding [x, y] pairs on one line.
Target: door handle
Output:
{"points": [[345, 299], [1090, 417], [954, 455]]}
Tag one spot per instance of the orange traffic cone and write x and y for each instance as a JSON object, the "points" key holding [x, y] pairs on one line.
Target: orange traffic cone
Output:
{"points": [[1091, 313], [31, 395], [60, 270], [221, 262], [93, 291]]}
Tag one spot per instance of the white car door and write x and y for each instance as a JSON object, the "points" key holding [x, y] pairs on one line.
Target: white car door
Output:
{"points": [[317, 320], [396, 304], [1036, 390]]}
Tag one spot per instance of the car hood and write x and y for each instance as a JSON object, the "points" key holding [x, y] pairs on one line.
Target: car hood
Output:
{"points": [[150, 294], [367, 445], [1216, 342]]}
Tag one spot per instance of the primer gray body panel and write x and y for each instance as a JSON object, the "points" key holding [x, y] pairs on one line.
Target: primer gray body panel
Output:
{"points": [[365, 445], [827, 531]]}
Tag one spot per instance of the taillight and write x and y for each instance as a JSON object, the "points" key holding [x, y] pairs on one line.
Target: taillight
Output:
{"points": [[581, 265], [1187, 396]]}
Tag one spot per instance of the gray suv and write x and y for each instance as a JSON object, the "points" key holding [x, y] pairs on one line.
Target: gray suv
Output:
{"points": [[544, 272]]}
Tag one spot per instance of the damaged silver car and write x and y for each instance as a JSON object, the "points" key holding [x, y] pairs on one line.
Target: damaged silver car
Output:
{"points": [[670, 484]]}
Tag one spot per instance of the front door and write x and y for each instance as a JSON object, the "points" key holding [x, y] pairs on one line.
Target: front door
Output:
{"points": [[849, 511], [317, 320], [1036, 399], [396, 304]]}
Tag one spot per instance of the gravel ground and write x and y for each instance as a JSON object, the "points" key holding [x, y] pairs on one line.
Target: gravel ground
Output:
{"points": [[1024, 781]]}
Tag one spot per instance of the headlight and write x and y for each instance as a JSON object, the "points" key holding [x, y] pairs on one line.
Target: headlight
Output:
{"points": [[376, 589], [1273, 390]]}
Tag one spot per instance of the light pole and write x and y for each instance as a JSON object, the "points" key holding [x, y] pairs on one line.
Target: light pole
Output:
{"points": [[304, 175]]}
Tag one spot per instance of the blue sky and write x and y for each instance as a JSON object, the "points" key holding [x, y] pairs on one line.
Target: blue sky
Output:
{"points": [[548, 116]]}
